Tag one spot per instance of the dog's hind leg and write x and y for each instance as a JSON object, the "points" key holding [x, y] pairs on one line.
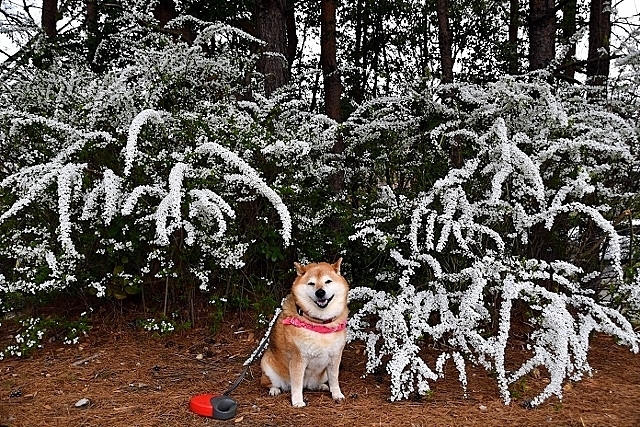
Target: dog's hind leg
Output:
{"points": [[270, 378], [316, 380]]}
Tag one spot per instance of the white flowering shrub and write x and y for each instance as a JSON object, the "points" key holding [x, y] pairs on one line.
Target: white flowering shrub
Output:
{"points": [[144, 175], [528, 227]]}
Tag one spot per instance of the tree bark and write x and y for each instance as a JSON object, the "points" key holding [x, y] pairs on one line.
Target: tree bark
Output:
{"points": [[332, 83], [542, 33], [569, 28], [445, 40], [599, 35], [328, 61], [91, 27], [271, 27], [514, 26], [292, 36], [359, 73], [49, 18], [164, 12]]}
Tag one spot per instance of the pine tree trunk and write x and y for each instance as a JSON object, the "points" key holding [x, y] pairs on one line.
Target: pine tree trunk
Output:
{"points": [[91, 28], [271, 27], [569, 12], [359, 74], [49, 18], [514, 26], [542, 33], [332, 83], [599, 34], [445, 41], [328, 61], [292, 36], [164, 12]]}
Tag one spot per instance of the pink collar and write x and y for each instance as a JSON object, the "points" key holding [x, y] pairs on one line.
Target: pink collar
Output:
{"points": [[315, 328]]}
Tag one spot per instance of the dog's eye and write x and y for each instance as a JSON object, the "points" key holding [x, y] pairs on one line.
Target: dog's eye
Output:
{"points": [[328, 281], [311, 284]]}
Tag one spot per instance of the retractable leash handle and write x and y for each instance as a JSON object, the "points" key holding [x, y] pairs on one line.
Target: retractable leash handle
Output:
{"points": [[224, 407], [214, 406]]}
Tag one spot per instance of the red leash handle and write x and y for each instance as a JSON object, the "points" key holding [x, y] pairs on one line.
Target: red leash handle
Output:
{"points": [[214, 406]]}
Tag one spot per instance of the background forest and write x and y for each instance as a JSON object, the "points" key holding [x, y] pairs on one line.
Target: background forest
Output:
{"points": [[475, 163]]}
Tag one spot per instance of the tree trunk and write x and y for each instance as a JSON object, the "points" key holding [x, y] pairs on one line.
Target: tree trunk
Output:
{"points": [[91, 27], [164, 12], [425, 64], [542, 33], [599, 35], [50, 18], [271, 27], [332, 83], [514, 26], [445, 41], [569, 12], [359, 73], [292, 36], [328, 61]]}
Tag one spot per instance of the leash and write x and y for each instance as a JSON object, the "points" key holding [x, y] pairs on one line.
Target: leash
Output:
{"points": [[254, 356]]}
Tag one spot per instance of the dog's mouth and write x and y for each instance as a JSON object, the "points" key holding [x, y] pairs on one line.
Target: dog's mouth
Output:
{"points": [[323, 302]]}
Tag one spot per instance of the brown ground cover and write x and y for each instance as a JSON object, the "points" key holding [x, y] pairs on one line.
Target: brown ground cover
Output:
{"points": [[134, 379]]}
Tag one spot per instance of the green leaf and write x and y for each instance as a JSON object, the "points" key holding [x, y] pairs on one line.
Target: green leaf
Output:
{"points": [[132, 289], [118, 294]]}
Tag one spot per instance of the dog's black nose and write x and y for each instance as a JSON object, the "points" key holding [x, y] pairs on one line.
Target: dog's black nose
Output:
{"points": [[320, 293]]}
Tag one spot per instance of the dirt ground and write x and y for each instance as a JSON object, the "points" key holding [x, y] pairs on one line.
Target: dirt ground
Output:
{"points": [[134, 379]]}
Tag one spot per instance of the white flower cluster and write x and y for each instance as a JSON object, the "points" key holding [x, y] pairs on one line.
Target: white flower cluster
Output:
{"points": [[161, 327], [33, 332], [251, 178]]}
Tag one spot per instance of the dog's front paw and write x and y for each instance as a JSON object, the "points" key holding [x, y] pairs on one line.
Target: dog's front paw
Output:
{"points": [[338, 397], [274, 391], [299, 404]]}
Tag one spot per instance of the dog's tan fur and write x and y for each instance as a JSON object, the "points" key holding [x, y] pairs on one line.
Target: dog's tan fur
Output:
{"points": [[296, 357]]}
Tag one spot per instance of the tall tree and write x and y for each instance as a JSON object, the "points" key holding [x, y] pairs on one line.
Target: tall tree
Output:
{"points": [[445, 40], [359, 80], [542, 33], [292, 36], [569, 27], [328, 61], [599, 35], [512, 44], [332, 82], [91, 28], [49, 18], [165, 11], [271, 26]]}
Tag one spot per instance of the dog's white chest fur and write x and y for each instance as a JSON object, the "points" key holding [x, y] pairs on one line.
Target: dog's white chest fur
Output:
{"points": [[320, 350]]}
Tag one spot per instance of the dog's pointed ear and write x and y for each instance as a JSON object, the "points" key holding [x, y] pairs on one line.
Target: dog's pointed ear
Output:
{"points": [[299, 269], [336, 266]]}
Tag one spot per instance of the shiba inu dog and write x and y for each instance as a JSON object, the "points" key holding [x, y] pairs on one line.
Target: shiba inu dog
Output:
{"points": [[306, 343]]}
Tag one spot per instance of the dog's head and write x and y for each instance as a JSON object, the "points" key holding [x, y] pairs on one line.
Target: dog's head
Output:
{"points": [[320, 290]]}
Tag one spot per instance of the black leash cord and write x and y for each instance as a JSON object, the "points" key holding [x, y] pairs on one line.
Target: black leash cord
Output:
{"points": [[257, 353], [237, 382]]}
